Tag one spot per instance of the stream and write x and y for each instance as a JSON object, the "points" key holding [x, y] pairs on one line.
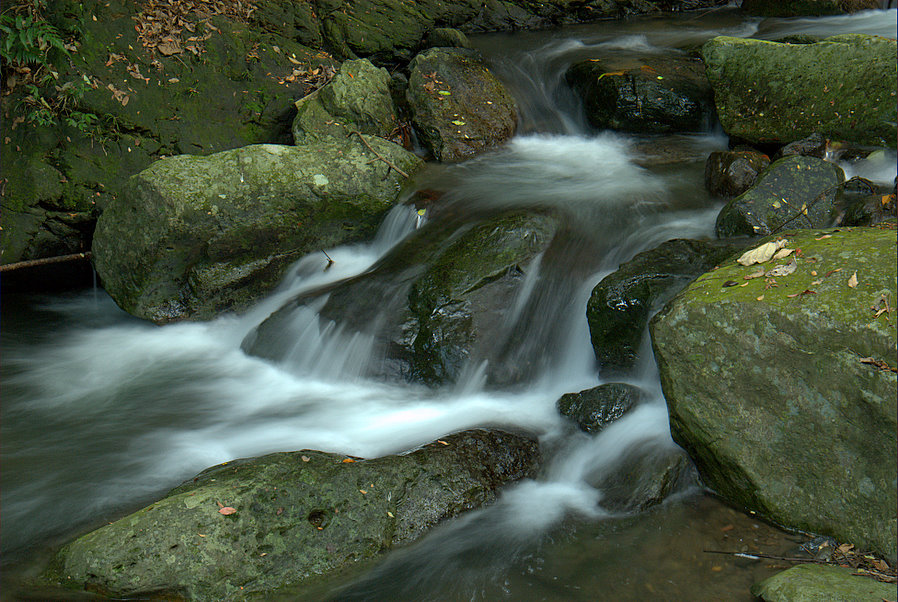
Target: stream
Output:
{"points": [[103, 413]]}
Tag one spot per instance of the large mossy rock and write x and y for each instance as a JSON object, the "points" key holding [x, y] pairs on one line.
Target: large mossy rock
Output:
{"points": [[357, 99], [820, 583], [295, 516], [784, 396], [436, 302], [790, 193], [194, 236], [619, 308], [842, 87], [458, 106], [655, 95], [807, 8]]}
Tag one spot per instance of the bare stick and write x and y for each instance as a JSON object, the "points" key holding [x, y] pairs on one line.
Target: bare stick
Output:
{"points": [[44, 261], [330, 261], [379, 156]]}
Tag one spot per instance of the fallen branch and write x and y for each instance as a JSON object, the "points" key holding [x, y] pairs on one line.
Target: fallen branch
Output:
{"points": [[379, 156], [43, 261], [756, 556]]}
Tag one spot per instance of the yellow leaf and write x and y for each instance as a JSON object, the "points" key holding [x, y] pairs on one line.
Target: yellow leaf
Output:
{"points": [[761, 298], [852, 282], [762, 253], [348, 460]]}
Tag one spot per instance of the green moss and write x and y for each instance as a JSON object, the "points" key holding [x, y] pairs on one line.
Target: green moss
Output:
{"points": [[842, 87]]}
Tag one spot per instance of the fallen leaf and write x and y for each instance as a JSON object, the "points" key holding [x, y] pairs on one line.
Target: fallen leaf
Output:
{"points": [[762, 253], [782, 270], [458, 122], [881, 565], [845, 547], [227, 510], [441, 442], [852, 282], [783, 253], [804, 292], [824, 236], [445, 92], [761, 298], [831, 272], [362, 491], [729, 283], [816, 282], [729, 527], [753, 275], [348, 460], [305, 458], [390, 514]]}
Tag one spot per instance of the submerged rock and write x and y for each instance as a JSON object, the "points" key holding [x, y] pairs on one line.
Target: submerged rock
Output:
{"points": [[858, 202], [458, 106], [249, 527], [842, 87], [195, 236], [788, 194], [620, 305], [731, 173], [812, 582], [795, 374], [646, 477], [658, 95], [593, 409]]}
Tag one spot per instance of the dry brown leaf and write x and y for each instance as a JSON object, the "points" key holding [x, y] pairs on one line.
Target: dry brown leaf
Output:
{"points": [[227, 510], [824, 236], [761, 298], [783, 253], [762, 253], [305, 458], [753, 275], [169, 47], [782, 270], [348, 460], [852, 282]]}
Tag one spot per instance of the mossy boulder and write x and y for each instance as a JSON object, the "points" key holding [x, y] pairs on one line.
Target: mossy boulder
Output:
{"points": [[731, 173], [249, 527], [192, 236], [793, 371], [807, 8], [441, 297], [651, 94], [357, 99], [788, 194], [619, 307], [458, 106], [593, 409], [818, 583], [842, 87]]}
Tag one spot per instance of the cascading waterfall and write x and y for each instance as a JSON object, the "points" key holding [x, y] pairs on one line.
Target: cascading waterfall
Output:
{"points": [[103, 412]]}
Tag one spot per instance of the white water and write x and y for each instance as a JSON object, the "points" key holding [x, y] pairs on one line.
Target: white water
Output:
{"points": [[102, 412]]}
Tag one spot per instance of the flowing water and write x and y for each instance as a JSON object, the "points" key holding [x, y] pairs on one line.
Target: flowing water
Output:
{"points": [[103, 413]]}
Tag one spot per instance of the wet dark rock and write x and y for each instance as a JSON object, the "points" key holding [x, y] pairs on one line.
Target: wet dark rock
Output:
{"points": [[593, 409], [758, 376], [646, 478], [788, 194], [731, 173], [766, 92], [807, 8], [656, 95], [620, 305], [459, 108], [814, 145], [858, 202], [444, 294], [192, 237], [297, 516]]}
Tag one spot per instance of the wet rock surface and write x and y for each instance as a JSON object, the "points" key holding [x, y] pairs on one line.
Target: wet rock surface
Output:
{"points": [[252, 526]]}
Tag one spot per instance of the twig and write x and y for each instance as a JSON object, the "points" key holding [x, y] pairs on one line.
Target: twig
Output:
{"points": [[754, 555], [330, 261], [43, 261], [379, 156]]}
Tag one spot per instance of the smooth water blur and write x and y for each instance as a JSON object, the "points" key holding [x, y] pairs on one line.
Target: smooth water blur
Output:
{"points": [[103, 413]]}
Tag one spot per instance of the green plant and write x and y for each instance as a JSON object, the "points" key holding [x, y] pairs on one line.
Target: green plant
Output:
{"points": [[28, 39]]}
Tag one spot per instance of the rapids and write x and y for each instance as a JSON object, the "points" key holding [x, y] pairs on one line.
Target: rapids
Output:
{"points": [[102, 413]]}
